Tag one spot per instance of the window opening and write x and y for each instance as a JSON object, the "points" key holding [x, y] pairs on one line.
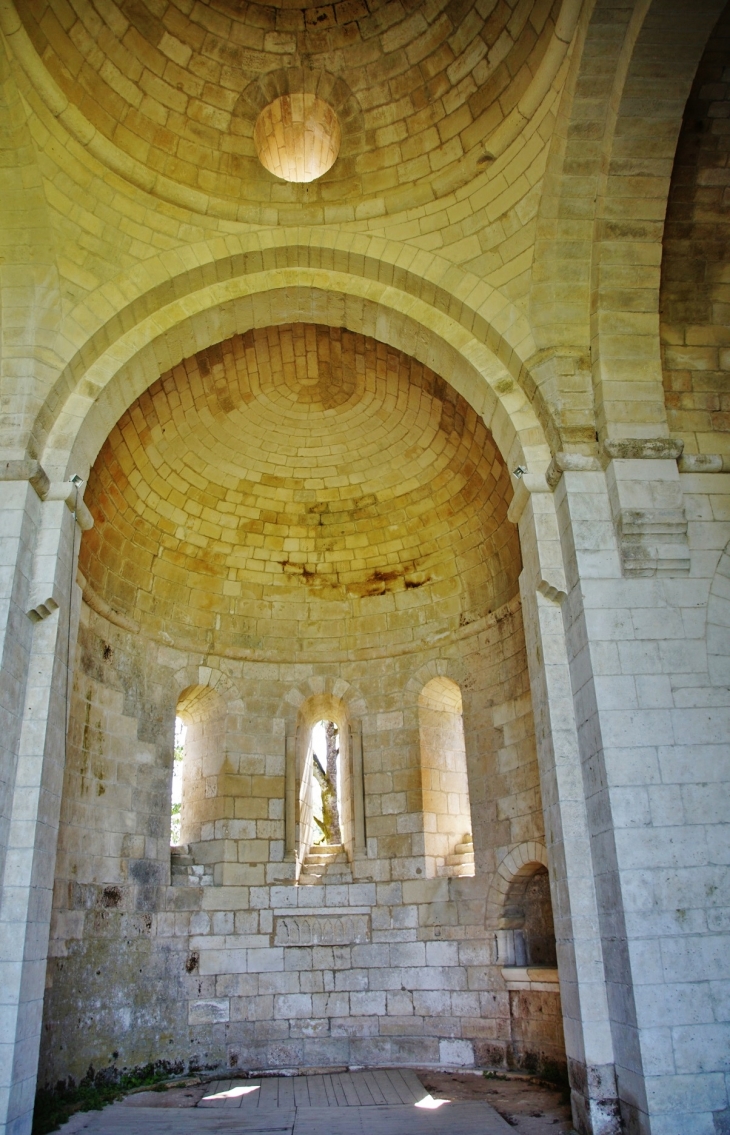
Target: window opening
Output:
{"points": [[325, 784], [177, 782]]}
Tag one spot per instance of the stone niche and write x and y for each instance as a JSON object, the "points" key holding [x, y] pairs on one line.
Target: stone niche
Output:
{"points": [[299, 524], [526, 948]]}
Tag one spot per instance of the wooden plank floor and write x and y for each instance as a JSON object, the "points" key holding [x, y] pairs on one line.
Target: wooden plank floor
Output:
{"points": [[381, 1102], [451, 1119], [381, 1088]]}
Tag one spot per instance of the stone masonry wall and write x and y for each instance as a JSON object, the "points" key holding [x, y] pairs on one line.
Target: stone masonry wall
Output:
{"points": [[695, 274], [263, 973]]}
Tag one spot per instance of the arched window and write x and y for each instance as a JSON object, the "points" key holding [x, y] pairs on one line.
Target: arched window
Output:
{"points": [[447, 822], [321, 791], [325, 775], [325, 788], [527, 934]]}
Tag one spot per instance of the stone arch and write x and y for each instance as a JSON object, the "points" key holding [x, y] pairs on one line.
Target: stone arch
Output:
{"points": [[606, 191], [443, 692], [411, 301], [328, 690], [519, 862], [718, 623], [30, 295], [190, 676], [434, 668]]}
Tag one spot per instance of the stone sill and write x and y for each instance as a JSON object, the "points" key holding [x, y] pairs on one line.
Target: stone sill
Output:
{"points": [[536, 979]]}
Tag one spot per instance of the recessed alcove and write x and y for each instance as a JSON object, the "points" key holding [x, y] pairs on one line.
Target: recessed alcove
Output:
{"points": [[299, 531], [292, 484]]}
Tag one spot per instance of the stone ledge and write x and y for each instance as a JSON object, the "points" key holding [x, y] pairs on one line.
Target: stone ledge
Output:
{"points": [[641, 448], [535, 979]]}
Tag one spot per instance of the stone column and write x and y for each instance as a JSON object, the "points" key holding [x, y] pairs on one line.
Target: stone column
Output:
{"points": [[588, 1040], [653, 734], [19, 514], [41, 613], [358, 789]]}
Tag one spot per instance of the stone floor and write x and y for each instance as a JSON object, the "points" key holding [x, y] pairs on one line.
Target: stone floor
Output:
{"points": [[380, 1102]]}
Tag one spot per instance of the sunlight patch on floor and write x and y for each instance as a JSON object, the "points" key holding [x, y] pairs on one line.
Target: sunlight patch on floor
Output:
{"points": [[234, 1093], [430, 1102]]}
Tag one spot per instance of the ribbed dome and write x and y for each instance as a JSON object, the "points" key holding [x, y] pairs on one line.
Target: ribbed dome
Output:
{"points": [[295, 464], [178, 87]]}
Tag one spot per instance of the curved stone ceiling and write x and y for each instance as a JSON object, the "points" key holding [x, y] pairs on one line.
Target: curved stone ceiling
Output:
{"points": [[294, 483], [417, 88]]}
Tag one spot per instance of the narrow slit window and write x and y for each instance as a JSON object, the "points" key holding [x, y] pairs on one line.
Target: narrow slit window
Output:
{"points": [[325, 784]]}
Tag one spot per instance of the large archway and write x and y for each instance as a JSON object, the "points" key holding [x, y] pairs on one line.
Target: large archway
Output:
{"points": [[482, 341], [297, 501]]}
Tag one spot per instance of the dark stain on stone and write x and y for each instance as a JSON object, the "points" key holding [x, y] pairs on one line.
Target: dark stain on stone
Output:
{"points": [[111, 896]]}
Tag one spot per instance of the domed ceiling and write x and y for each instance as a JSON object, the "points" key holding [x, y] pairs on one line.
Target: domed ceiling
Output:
{"points": [[299, 484], [177, 86]]}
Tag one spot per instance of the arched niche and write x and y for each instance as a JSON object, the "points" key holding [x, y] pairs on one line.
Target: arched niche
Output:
{"points": [[203, 712], [447, 823], [526, 934]]}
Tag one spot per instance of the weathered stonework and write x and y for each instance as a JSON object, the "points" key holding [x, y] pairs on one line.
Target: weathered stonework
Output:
{"points": [[433, 448]]}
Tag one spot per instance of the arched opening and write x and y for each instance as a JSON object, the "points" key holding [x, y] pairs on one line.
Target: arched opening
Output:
{"points": [[343, 508], [526, 951], [447, 824], [202, 711], [325, 807], [527, 933], [325, 827], [325, 795]]}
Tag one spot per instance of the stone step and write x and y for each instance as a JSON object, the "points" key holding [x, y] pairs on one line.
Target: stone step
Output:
{"points": [[457, 858], [325, 863], [458, 871], [325, 869], [185, 872]]}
